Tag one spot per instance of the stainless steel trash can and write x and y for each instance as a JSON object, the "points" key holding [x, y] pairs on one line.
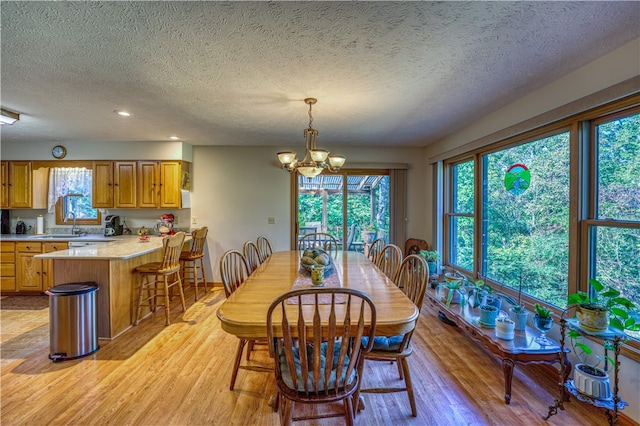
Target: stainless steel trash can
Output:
{"points": [[72, 320]]}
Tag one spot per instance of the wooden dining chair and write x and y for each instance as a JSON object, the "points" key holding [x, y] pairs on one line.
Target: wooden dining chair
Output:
{"points": [[264, 248], [251, 255], [375, 248], [327, 242], [234, 271], [412, 280], [318, 351], [192, 261], [158, 278], [389, 260]]}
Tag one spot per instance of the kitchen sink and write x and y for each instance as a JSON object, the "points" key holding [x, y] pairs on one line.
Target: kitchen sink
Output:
{"points": [[56, 236]]}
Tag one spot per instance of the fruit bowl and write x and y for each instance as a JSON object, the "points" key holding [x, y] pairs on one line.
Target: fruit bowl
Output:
{"points": [[312, 258]]}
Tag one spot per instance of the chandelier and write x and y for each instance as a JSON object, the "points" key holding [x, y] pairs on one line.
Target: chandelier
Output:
{"points": [[315, 160]]}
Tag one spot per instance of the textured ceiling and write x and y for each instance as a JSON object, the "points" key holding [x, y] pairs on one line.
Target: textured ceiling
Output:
{"points": [[235, 73]]}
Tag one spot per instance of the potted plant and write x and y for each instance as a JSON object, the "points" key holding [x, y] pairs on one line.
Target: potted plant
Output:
{"points": [[517, 312], [589, 378], [369, 233], [451, 292], [505, 328], [432, 257], [485, 295], [603, 307], [542, 321]]}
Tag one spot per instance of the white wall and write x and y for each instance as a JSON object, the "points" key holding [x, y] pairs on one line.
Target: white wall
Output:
{"points": [[235, 190], [618, 66]]}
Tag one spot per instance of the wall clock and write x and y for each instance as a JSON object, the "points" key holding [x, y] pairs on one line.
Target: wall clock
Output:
{"points": [[59, 151]]}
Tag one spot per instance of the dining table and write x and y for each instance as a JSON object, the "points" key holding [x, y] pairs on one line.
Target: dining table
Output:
{"points": [[244, 313]]}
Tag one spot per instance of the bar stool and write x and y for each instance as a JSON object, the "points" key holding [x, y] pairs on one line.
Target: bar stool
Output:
{"points": [[192, 261], [159, 277]]}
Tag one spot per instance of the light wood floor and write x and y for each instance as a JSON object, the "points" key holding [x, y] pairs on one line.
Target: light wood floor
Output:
{"points": [[179, 375]]}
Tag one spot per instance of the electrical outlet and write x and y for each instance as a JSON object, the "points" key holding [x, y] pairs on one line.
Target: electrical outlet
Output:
{"points": [[271, 220], [194, 220]]}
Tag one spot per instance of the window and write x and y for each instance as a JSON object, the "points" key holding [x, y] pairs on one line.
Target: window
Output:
{"points": [[551, 208], [461, 226], [526, 231], [614, 234], [70, 191]]}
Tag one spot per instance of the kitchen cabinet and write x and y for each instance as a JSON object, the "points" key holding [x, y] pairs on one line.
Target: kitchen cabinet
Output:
{"points": [[29, 269], [159, 184], [7, 266], [114, 184], [16, 185], [34, 275]]}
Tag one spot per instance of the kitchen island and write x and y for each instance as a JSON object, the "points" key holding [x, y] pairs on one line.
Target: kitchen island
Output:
{"points": [[112, 266]]}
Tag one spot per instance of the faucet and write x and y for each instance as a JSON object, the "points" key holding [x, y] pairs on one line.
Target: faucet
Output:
{"points": [[74, 228]]}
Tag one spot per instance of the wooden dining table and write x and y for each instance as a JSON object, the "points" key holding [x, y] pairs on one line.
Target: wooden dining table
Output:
{"points": [[244, 313]]}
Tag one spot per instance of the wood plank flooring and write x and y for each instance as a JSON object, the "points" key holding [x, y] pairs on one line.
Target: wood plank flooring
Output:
{"points": [[179, 375]]}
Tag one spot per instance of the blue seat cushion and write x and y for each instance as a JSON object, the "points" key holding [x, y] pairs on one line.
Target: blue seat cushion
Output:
{"points": [[385, 343], [286, 374]]}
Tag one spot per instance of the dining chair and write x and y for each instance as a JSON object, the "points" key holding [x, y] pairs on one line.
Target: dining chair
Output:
{"points": [[375, 248], [252, 255], [412, 280], [327, 242], [264, 248], [192, 261], [317, 351], [158, 278], [234, 271], [389, 260]]}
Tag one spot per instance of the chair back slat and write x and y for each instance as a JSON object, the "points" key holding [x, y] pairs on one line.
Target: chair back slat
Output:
{"points": [[389, 260], [233, 270], [198, 242], [264, 248], [251, 255], [327, 242], [375, 249], [171, 256], [319, 331], [412, 280]]}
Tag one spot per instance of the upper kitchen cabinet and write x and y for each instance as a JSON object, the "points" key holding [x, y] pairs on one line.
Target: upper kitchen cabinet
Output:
{"points": [[159, 184], [16, 185], [114, 184]]}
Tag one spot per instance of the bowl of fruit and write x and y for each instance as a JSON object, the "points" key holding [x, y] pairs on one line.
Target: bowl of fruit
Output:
{"points": [[312, 258]]}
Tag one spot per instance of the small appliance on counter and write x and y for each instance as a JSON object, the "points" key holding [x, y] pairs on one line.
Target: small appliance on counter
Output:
{"points": [[5, 226], [165, 225], [112, 225], [21, 227]]}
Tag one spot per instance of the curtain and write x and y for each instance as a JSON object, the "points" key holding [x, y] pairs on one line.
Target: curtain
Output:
{"points": [[68, 180], [397, 206]]}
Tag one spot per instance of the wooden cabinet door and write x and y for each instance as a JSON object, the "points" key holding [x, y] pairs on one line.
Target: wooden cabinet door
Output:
{"points": [[170, 196], [102, 178], [19, 184], [148, 184], [29, 272], [47, 264], [4, 196], [125, 184]]}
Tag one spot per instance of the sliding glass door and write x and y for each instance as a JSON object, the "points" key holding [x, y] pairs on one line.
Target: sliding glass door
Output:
{"points": [[353, 206]]}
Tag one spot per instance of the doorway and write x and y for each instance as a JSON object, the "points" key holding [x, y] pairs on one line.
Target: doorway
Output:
{"points": [[352, 205]]}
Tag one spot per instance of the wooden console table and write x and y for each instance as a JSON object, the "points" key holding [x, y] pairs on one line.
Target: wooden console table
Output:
{"points": [[521, 350]]}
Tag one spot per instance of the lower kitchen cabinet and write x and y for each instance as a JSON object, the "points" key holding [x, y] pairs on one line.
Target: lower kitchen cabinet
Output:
{"points": [[7, 266], [34, 275]]}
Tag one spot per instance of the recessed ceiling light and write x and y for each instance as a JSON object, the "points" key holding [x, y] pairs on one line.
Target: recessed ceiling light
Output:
{"points": [[123, 113], [175, 138]]}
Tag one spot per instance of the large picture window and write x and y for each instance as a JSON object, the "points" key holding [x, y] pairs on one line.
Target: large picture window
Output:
{"points": [[526, 231], [547, 210]]}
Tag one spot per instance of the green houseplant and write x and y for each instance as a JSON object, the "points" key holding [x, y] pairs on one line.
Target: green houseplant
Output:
{"points": [[432, 257], [542, 321], [588, 377], [603, 307]]}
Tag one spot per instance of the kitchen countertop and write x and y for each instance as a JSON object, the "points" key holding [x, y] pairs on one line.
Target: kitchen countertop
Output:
{"points": [[119, 247]]}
